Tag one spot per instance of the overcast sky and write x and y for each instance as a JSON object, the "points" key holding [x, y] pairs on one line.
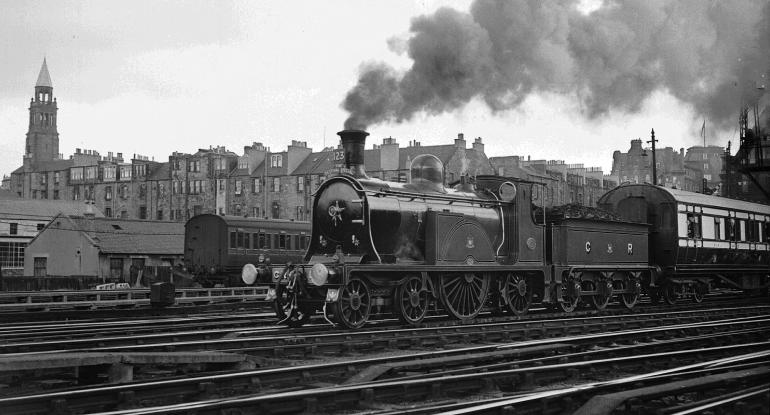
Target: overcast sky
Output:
{"points": [[151, 77]]}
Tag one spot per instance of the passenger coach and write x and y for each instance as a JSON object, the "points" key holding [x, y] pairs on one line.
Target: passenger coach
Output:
{"points": [[216, 248], [696, 239]]}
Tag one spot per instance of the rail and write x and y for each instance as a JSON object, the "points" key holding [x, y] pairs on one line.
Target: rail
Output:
{"points": [[24, 300]]}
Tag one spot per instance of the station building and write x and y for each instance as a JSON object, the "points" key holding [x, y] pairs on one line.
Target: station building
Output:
{"points": [[133, 251]]}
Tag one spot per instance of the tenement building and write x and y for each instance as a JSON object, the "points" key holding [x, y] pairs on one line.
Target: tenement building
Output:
{"points": [[256, 183], [675, 169], [557, 183]]}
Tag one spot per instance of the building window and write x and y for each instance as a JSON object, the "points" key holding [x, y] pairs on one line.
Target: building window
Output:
{"points": [[12, 254], [108, 212], [238, 187], [256, 186], [56, 176], [159, 214], [14, 229], [116, 268], [76, 173], [56, 194], [276, 184], [43, 178], [125, 173], [91, 173], [237, 210], [255, 212], [40, 264], [276, 160], [300, 184], [89, 190], [34, 194], [142, 212], [299, 213]]}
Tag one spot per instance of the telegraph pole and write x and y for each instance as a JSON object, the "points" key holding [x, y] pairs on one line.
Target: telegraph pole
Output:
{"points": [[654, 165]]}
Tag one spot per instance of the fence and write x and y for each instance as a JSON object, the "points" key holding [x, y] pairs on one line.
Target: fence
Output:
{"points": [[150, 275]]}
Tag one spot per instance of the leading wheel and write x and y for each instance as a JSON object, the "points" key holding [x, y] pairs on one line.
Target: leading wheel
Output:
{"points": [[287, 309], [464, 295], [355, 303], [517, 294], [412, 300]]}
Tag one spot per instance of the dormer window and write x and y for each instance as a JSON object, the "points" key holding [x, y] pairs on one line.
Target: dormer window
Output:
{"points": [[276, 160]]}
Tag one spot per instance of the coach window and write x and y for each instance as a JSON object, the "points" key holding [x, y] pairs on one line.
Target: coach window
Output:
{"points": [[717, 229], [766, 232], [261, 244], [750, 230], [281, 241], [233, 240], [693, 226]]}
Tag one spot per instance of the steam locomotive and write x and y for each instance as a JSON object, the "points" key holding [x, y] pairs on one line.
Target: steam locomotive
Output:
{"points": [[380, 248]]}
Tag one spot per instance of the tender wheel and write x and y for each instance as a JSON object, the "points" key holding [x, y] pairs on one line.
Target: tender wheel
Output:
{"points": [[355, 303], [629, 299], [464, 295], [699, 292], [412, 300], [570, 296], [654, 295], [604, 292], [287, 310], [517, 294], [669, 293]]}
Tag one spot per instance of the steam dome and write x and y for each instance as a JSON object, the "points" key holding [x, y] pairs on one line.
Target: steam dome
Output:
{"points": [[427, 170]]}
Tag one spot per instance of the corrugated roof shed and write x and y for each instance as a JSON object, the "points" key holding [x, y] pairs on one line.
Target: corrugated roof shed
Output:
{"points": [[129, 236]]}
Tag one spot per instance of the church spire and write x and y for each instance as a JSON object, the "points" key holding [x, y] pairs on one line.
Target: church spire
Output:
{"points": [[44, 79]]}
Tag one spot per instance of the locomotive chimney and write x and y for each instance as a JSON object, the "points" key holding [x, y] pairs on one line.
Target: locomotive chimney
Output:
{"points": [[353, 142]]}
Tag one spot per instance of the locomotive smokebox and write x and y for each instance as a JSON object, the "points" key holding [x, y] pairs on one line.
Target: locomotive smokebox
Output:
{"points": [[353, 143]]}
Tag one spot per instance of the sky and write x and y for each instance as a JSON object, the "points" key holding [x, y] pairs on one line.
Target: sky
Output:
{"points": [[564, 80]]}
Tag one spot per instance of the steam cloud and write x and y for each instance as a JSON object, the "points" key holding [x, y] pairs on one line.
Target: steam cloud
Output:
{"points": [[710, 54]]}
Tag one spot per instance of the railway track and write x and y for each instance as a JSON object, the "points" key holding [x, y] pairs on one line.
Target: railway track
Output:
{"points": [[509, 368], [275, 341]]}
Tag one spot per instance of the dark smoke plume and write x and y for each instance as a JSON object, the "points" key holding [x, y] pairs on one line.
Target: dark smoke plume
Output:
{"points": [[709, 54]]}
